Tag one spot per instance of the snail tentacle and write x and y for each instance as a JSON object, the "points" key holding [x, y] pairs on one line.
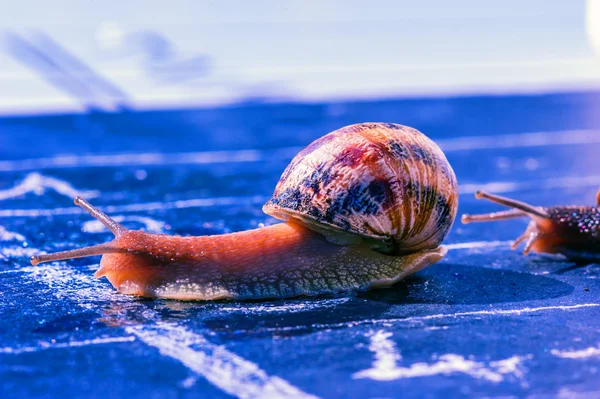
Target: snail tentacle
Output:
{"points": [[528, 209], [490, 217], [102, 217], [99, 249]]}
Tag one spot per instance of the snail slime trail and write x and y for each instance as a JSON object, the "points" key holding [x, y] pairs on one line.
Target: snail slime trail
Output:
{"points": [[363, 207], [572, 231]]}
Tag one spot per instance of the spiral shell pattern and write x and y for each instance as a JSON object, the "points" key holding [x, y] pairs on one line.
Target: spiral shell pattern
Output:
{"points": [[384, 182]]}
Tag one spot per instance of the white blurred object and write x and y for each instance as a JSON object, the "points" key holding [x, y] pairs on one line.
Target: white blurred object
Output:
{"points": [[109, 35], [189, 53], [592, 17]]}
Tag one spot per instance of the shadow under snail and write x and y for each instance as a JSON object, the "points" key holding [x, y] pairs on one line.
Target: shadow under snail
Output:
{"points": [[364, 206], [572, 231]]}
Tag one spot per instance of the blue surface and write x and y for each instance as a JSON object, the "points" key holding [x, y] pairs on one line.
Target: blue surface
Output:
{"points": [[486, 321]]}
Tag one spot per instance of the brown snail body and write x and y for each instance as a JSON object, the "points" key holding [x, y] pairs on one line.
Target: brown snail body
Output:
{"points": [[573, 231], [364, 206]]}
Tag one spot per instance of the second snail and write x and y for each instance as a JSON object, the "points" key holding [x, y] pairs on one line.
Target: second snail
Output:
{"points": [[363, 207]]}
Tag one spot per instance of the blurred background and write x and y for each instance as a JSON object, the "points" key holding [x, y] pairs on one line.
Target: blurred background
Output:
{"points": [[68, 55]]}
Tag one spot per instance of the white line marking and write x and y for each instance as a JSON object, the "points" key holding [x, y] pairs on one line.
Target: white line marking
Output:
{"points": [[6, 235], [476, 244], [37, 184], [73, 344], [448, 364], [521, 140], [386, 353], [228, 371], [28, 269], [303, 305], [149, 159], [66, 282], [569, 393], [17, 252], [580, 354], [536, 139], [501, 312], [143, 207], [385, 367], [420, 319], [546, 184]]}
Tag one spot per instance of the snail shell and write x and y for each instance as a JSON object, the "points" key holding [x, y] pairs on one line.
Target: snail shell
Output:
{"points": [[386, 183]]}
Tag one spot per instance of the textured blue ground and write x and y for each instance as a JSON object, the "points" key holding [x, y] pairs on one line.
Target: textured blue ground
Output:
{"points": [[487, 321]]}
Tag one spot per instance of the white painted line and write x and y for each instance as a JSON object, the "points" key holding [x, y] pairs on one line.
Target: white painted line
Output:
{"points": [[579, 354], [62, 345], [143, 207], [545, 184], [6, 235], [420, 319], [501, 312], [385, 366], [523, 140], [476, 244], [302, 305], [37, 183], [445, 365], [386, 354], [148, 159], [17, 252], [228, 371], [25, 269]]}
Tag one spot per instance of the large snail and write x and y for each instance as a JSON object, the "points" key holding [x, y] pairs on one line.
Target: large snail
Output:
{"points": [[364, 206]]}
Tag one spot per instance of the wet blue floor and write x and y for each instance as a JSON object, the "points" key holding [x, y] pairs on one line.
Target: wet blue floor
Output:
{"points": [[486, 321]]}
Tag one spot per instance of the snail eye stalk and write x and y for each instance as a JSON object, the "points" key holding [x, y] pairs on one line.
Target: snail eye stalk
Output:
{"points": [[99, 249]]}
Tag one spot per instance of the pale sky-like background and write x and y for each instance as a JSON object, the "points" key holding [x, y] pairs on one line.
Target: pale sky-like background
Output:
{"points": [[169, 54]]}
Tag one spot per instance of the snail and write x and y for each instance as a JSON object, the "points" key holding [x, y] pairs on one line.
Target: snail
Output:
{"points": [[573, 231], [364, 206]]}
